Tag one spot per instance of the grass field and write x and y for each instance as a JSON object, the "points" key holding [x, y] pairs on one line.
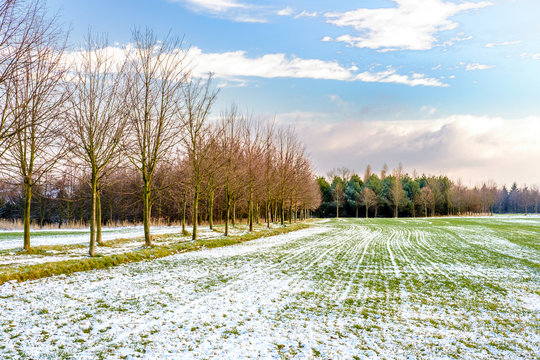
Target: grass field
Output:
{"points": [[342, 289], [13, 239]]}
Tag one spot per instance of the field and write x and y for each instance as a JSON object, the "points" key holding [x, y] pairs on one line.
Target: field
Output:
{"points": [[342, 289], [12, 239]]}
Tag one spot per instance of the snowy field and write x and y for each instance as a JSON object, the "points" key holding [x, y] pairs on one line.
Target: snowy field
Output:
{"points": [[13, 239], [346, 289]]}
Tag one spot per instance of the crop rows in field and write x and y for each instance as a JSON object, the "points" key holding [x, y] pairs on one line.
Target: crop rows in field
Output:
{"points": [[444, 288]]}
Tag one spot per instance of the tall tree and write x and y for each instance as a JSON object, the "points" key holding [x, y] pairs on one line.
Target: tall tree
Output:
{"points": [[368, 198], [199, 96], [396, 190], [37, 104], [375, 184], [229, 147], [98, 118], [353, 192], [269, 168], [427, 200], [157, 74], [338, 194], [253, 153], [367, 173]]}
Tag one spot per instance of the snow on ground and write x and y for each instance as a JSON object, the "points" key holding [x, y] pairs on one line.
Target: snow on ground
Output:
{"points": [[20, 257], [340, 290], [13, 239]]}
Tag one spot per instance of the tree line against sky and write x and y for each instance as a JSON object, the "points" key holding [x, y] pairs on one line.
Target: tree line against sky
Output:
{"points": [[78, 125], [397, 194]]}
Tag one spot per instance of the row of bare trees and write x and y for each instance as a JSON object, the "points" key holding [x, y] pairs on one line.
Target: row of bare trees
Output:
{"points": [[102, 108]]}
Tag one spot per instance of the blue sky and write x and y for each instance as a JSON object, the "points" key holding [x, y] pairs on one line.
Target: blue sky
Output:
{"points": [[442, 86]]}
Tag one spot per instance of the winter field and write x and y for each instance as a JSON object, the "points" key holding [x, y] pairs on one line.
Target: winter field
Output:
{"points": [[342, 289], [12, 239]]}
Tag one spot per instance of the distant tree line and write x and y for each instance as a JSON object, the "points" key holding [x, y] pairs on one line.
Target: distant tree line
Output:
{"points": [[397, 194], [106, 134]]}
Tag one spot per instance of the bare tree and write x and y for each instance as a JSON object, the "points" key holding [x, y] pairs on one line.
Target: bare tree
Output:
{"points": [[427, 200], [269, 173], [157, 73], [97, 120], [338, 194], [287, 146], [384, 171], [367, 173], [396, 191], [199, 97], [229, 147], [252, 154], [368, 198], [23, 26], [36, 102]]}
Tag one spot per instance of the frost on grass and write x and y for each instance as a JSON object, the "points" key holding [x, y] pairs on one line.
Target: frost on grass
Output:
{"points": [[353, 288], [13, 239]]}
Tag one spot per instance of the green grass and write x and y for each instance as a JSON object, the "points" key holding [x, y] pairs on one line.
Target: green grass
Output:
{"points": [[37, 271], [351, 288]]}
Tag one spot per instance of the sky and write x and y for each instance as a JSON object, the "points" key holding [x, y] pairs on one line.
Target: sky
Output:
{"points": [[441, 86]]}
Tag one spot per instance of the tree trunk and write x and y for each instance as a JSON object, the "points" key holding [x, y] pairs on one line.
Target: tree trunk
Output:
{"points": [[337, 210], [195, 211], [211, 211], [267, 214], [233, 219], [146, 213], [92, 248], [227, 211], [27, 203], [282, 211], [98, 219], [257, 216], [250, 209], [184, 213], [357, 211], [395, 211], [367, 210], [290, 213], [111, 213]]}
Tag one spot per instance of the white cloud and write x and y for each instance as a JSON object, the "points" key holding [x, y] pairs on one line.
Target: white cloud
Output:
{"points": [[306, 14], [233, 67], [428, 110], [476, 66], [473, 148], [215, 5], [504, 43], [236, 63], [531, 56], [411, 25], [228, 9], [288, 11]]}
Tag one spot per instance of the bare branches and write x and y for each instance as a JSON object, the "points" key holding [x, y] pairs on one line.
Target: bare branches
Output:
{"points": [[34, 106], [157, 72], [199, 97], [98, 118]]}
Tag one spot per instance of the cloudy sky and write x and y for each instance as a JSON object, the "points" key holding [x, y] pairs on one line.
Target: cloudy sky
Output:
{"points": [[442, 86]]}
